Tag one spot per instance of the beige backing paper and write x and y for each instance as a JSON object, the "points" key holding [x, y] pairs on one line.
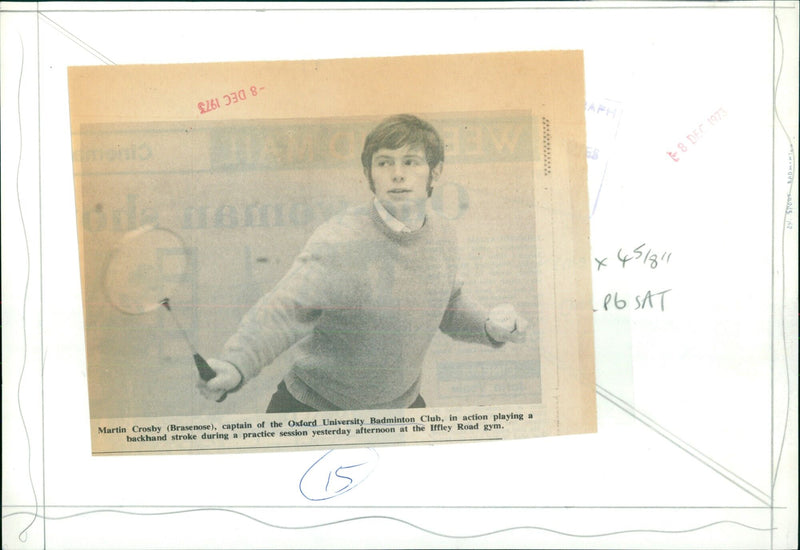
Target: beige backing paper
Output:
{"points": [[242, 161]]}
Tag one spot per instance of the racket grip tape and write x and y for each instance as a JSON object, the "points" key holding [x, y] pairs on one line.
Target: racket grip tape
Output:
{"points": [[206, 373]]}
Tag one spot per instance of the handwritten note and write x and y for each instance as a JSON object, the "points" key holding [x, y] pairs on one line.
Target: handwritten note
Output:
{"points": [[626, 269], [337, 472]]}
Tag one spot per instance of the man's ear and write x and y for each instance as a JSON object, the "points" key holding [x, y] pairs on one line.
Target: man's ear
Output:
{"points": [[436, 171]]}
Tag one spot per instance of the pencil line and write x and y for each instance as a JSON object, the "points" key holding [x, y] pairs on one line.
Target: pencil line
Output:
{"points": [[772, 468], [23, 535], [753, 491], [407, 523], [783, 259], [77, 40], [43, 355], [394, 506], [699, 5]]}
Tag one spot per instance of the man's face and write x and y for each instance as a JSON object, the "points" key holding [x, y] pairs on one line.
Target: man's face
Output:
{"points": [[401, 178]]}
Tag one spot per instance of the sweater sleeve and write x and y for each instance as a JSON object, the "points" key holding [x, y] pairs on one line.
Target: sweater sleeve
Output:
{"points": [[465, 320], [286, 314]]}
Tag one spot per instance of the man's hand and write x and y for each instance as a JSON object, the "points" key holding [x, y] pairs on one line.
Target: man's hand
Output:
{"points": [[505, 325], [228, 378]]}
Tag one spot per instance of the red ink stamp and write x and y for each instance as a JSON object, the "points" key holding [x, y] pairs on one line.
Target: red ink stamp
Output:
{"points": [[236, 96], [697, 133]]}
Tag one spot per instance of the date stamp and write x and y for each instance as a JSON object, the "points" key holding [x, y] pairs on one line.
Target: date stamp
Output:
{"points": [[697, 133], [232, 98]]}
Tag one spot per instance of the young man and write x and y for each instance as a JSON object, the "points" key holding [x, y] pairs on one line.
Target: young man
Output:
{"points": [[363, 300]]}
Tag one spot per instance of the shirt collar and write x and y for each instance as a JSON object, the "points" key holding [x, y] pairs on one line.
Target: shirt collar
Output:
{"points": [[392, 223]]}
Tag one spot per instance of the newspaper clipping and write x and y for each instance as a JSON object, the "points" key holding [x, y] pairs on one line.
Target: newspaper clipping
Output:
{"points": [[355, 252]]}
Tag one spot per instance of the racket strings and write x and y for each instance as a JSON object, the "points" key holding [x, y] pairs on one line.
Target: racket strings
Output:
{"points": [[144, 269]]}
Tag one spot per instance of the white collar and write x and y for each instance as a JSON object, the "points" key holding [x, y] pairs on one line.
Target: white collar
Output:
{"points": [[391, 222]]}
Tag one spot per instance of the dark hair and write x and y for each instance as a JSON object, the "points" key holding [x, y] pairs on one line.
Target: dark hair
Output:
{"points": [[397, 131]]}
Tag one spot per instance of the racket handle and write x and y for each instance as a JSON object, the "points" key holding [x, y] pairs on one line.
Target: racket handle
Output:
{"points": [[206, 373]]}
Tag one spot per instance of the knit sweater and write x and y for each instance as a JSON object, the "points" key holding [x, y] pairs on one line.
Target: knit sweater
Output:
{"points": [[360, 306]]}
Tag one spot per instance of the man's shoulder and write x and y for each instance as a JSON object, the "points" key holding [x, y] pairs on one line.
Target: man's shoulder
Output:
{"points": [[443, 228], [352, 218], [348, 225]]}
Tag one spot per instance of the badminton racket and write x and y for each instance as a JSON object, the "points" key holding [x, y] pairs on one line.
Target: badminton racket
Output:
{"points": [[144, 269]]}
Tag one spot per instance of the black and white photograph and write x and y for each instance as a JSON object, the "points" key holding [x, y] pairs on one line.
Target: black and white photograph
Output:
{"points": [[275, 266], [399, 275]]}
